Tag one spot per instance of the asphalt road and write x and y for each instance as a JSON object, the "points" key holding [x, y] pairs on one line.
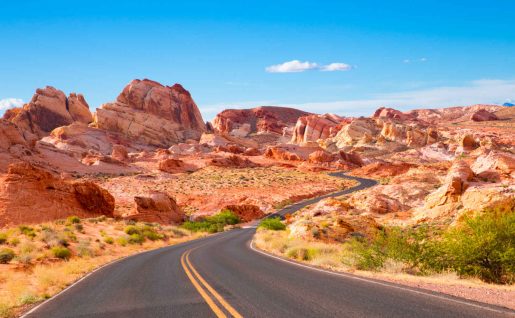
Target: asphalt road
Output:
{"points": [[223, 276]]}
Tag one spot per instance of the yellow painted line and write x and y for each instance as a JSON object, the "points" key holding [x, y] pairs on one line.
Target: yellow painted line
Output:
{"points": [[222, 301], [218, 312]]}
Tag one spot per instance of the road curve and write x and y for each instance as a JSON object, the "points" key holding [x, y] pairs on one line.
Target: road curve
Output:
{"points": [[222, 276]]}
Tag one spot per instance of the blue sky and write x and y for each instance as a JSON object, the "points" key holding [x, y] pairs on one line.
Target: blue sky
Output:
{"points": [[403, 54]]}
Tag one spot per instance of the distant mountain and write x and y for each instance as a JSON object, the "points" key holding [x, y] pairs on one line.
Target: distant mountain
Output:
{"points": [[508, 104]]}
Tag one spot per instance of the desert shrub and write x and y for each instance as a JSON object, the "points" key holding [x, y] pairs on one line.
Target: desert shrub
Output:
{"points": [[84, 249], [61, 252], [28, 298], [483, 246], [79, 227], [274, 224], [136, 238], [14, 241], [132, 229], [3, 238], [73, 220], [108, 240], [6, 255], [214, 223], [122, 241], [27, 231], [302, 253]]}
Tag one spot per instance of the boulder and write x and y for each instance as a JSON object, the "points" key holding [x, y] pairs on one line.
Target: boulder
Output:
{"points": [[153, 114], [468, 143], [483, 115], [456, 182], [120, 153], [497, 161], [320, 156], [156, 207]]}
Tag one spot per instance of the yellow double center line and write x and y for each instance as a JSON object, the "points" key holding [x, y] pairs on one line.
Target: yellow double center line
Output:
{"points": [[200, 283]]}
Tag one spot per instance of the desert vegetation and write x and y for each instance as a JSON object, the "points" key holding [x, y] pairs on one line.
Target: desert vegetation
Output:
{"points": [[214, 223], [482, 246], [37, 261]]}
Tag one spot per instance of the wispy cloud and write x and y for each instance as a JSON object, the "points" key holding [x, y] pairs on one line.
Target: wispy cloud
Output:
{"points": [[408, 61], [297, 66], [7, 103], [294, 66], [335, 67]]}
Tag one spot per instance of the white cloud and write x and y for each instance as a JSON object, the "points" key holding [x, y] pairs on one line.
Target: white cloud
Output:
{"points": [[335, 67], [475, 92], [294, 66], [297, 66], [7, 103], [407, 61], [423, 59]]}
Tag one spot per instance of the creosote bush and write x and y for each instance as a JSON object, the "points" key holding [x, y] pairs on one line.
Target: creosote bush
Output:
{"points": [[61, 252], [73, 220], [6, 255], [274, 224]]}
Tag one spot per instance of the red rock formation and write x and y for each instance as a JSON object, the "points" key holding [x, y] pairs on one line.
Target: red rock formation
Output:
{"points": [[483, 115], [246, 212], [314, 127], [32, 195], [391, 113], [281, 154], [233, 161], [171, 165], [153, 114], [261, 119], [320, 156], [351, 157], [156, 207], [49, 109]]}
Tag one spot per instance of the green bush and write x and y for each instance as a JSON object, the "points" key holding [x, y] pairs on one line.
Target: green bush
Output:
{"points": [[213, 224], [483, 246], [132, 229], [136, 239], [109, 240], [274, 224], [6, 255], [3, 238], [27, 231], [73, 219], [122, 241], [61, 252]]}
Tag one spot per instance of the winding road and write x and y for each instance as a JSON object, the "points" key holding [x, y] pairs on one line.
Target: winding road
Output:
{"points": [[224, 276]]}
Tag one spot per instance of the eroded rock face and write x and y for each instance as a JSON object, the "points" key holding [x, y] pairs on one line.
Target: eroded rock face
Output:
{"points": [[456, 182], [49, 109], [153, 114], [246, 212], [32, 195], [391, 113], [120, 153], [483, 115], [10, 135], [320, 156], [264, 119], [494, 162], [359, 130], [156, 207], [314, 127]]}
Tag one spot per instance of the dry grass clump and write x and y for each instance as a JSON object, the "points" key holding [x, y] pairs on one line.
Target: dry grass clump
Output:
{"points": [[50, 256]]}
